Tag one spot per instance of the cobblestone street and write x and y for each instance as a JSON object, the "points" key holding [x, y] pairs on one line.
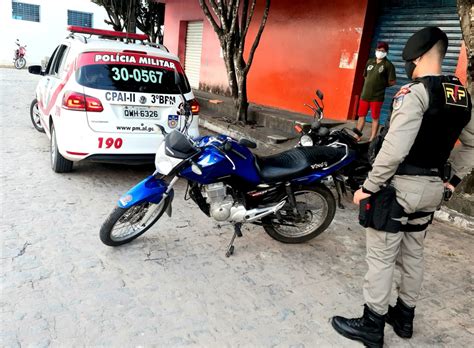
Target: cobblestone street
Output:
{"points": [[173, 287]]}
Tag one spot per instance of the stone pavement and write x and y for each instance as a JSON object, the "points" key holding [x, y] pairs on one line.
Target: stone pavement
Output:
{"points": [[173, 286]]}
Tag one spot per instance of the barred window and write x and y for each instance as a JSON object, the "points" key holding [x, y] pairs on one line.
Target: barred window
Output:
{"points": [[25, 12], [82, 19]]}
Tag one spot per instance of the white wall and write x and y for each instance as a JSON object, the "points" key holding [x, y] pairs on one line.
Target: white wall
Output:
{"points": [[43, 37]]}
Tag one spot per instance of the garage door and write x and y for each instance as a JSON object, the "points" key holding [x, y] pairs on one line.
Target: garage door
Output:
{"points": [[396, 25], [192, 64]]}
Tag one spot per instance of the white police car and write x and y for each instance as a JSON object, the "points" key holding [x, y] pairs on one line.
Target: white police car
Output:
{"points": [[101, 99]]}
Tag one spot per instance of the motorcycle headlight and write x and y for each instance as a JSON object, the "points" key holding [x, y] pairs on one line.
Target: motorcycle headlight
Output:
{"points": [[306, 141]]}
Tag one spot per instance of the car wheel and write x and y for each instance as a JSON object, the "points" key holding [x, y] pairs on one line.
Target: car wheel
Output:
{"points": [[58, 163], [35, 116]]}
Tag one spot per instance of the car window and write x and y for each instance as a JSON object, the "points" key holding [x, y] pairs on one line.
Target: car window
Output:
{"points": [[50, 62], [60, 55], [154, 75], [63, 66]]}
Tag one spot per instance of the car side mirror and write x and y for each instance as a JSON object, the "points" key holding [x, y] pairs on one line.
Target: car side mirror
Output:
{"points": [[320, 94], [35, 70]]}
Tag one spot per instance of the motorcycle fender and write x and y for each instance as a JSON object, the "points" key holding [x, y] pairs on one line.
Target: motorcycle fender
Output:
{"points": [[150, 190]]}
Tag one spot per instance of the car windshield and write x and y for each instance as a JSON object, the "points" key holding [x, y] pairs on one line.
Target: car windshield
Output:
{"points": [[114, 74]]}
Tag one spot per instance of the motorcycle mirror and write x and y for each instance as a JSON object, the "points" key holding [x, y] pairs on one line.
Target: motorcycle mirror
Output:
{"points": [[186, 106], [177, 78], [247, 143], [162, 129], [320, 94]]}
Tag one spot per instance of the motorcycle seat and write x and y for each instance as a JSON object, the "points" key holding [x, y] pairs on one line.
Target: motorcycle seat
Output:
{"points": [[292, 163]]}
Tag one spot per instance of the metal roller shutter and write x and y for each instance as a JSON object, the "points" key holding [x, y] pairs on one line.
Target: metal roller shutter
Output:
{"points": [[396, 25], [192, 64]]}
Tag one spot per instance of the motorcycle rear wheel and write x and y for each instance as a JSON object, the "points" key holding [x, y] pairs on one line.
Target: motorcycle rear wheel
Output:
{"points": [[317, 206], [125, 224], [20, 63]]}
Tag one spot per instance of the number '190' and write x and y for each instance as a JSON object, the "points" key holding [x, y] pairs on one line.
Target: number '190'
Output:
{"points": [[109, 142]]}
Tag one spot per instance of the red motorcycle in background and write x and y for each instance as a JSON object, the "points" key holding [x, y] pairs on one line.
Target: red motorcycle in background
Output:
{"points": [[19, 57]]}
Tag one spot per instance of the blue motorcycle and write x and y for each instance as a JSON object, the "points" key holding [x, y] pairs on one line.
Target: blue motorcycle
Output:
{"points": [[283, 193]]}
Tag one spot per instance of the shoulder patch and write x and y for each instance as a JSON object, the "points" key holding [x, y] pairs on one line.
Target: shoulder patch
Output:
{"points": [[398, 101], [455, 94], [402, 92], [398, 98]]}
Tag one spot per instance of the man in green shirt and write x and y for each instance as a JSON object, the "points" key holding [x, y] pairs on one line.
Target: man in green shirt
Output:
{"points": [[379, 74]]}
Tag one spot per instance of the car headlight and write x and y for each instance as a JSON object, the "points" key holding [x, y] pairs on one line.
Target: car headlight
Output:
{"points": [[306, 141]]}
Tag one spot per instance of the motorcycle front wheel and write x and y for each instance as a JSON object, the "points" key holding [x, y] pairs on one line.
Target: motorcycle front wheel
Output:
{"points": [[20, 63], [125, 224], [316, 206]]}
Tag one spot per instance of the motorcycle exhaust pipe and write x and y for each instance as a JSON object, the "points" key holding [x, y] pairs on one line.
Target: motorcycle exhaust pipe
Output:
{"points": [[256, 214]]}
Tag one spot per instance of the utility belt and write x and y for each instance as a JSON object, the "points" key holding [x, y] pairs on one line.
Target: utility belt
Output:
{"points": [[409, 169], [382, 212]]}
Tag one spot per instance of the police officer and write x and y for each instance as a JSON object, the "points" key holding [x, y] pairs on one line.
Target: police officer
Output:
{"points": [[428, 116]]}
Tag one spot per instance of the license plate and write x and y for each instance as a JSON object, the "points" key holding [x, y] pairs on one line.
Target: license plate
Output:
{"points": [[140, 112]]}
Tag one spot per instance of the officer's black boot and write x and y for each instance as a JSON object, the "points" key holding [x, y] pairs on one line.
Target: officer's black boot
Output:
{"points": [[368, 329], [401, 318]]}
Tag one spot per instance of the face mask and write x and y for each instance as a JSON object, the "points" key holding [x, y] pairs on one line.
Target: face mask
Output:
{"points": [[380, 54], [409, 69]]}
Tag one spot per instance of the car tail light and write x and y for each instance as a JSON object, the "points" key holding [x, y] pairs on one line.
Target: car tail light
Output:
{"points": [[93, 104], [195, 107], [81, 102]]}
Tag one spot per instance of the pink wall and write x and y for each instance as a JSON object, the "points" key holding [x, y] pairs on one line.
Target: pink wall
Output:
{"points": [[178, 12], [307, 44]]}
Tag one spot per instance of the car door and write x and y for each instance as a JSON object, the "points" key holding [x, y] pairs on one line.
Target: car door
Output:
{"points": [[54, 78], [42, 89]]}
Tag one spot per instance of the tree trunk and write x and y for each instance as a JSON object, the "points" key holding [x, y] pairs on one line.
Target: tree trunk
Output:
{"points": [[231, 73], [132, 25], [232, 32], [242, 104]]}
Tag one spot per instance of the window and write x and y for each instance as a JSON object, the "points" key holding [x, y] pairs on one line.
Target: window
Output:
{"points": [[25, 12], [49, 67], [82, 19], [129, 78], [59, 60]]}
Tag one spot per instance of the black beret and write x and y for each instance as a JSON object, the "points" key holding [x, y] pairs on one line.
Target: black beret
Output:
{"points": [[422, 41]]}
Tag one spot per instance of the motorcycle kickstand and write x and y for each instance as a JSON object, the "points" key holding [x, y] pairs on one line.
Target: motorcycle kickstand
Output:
{"points": [[237, 233], [338, 186]]}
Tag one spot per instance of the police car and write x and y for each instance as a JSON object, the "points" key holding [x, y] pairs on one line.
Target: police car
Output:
{"points": [[101, 99]]}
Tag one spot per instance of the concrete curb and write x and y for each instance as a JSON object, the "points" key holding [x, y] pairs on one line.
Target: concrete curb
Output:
{"points": [[454, 218]]}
